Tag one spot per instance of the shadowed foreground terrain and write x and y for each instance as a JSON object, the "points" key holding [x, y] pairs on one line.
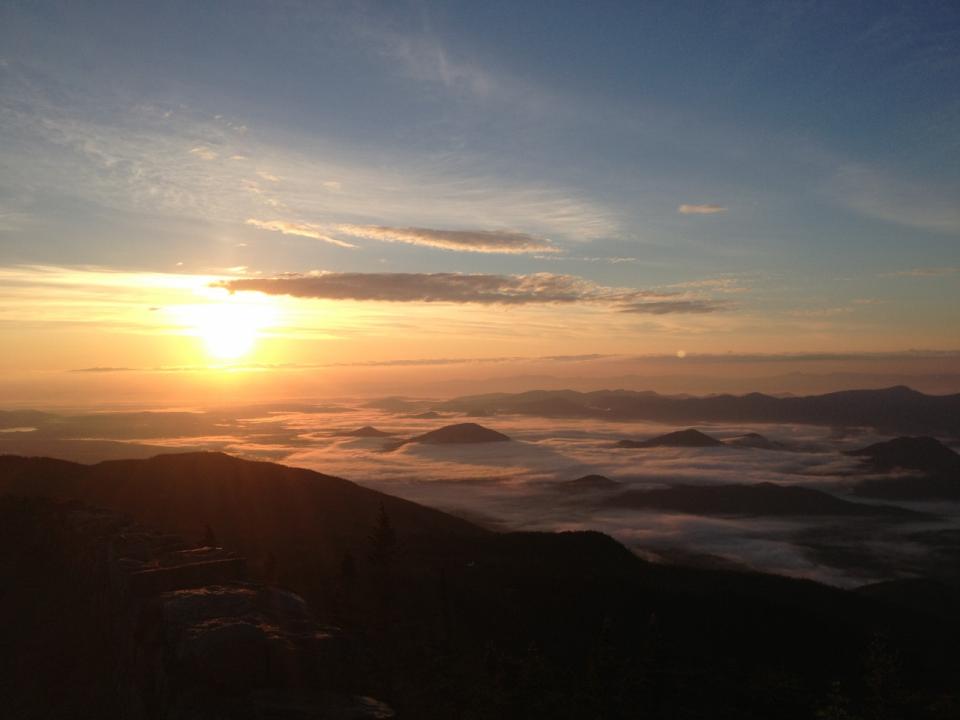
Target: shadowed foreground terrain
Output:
{"points": [[448, 620]]}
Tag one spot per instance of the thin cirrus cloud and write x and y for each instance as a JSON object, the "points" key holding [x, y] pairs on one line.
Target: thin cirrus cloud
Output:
{"points": [[669, 307], [484, 289], [923, 272], [706, 209], [477, 241], [308, 230], [905, 201], [183, 162]]}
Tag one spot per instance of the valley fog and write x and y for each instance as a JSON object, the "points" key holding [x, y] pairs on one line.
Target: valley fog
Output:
{"points": [[524, 483]]}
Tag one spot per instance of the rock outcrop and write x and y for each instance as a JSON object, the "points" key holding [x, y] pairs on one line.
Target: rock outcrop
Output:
{"points": [[191, 635]]}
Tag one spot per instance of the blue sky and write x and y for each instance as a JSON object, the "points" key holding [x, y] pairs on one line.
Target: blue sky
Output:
{"points": [[767, 161]]}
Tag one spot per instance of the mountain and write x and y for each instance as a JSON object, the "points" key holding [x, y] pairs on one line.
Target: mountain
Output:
{"points": [[894, 410], [460, 433], [935, 470], [681, 438], [367, 431], [456, 621], [254, 506], [926, 454], [753, 500]]}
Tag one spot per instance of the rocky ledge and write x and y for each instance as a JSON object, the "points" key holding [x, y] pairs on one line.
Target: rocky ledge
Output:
{"points": [[192, 636]]}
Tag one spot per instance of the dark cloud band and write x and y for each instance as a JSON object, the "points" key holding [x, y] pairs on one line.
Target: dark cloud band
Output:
{"points": [[484, 289]]}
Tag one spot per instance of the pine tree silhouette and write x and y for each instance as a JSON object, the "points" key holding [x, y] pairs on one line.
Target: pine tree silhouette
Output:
{"points": [[383, 540]]}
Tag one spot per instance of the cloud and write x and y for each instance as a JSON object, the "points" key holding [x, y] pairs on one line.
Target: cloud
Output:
{"points": [[701, 209], [923, 272], [719, 285], [482, 241], [204, 153], [171, 160], [301, 229], [904, 201], [479, 241], [103, 369], [424, 287], [613, 260], [667, 307], [484, 289]]}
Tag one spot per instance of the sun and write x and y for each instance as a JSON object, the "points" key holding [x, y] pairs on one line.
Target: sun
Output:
{"points": [[226, 333], [230, 329]]}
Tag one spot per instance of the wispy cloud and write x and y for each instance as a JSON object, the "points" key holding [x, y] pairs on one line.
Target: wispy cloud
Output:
{"points": [[726, 285], [669, 307], [204, 153], [316, 232], [478, 241], [903, 201], [485, 289], [923, 272], [707, 209], [183, 163], [483, 241]]}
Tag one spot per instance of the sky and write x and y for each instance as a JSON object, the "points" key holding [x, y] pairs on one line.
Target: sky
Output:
{"points": [[591, 189]]}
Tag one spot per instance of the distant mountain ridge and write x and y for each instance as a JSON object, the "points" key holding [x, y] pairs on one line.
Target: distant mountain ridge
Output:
{"points": [[894, 410], [680, 438]]}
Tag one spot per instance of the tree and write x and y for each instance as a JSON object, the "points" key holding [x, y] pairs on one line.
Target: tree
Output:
{"points": [[209, 537], [383, 540]]}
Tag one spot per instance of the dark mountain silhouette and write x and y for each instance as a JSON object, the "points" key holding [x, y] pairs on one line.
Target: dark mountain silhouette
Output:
{"points": [[367, 431], [588, 483], [753, 500], [681, 438], [921, 594], [910, 453], [935, 469], [249, 504], [471, 623], [428, 415], [894, 410], [460, 433]]}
